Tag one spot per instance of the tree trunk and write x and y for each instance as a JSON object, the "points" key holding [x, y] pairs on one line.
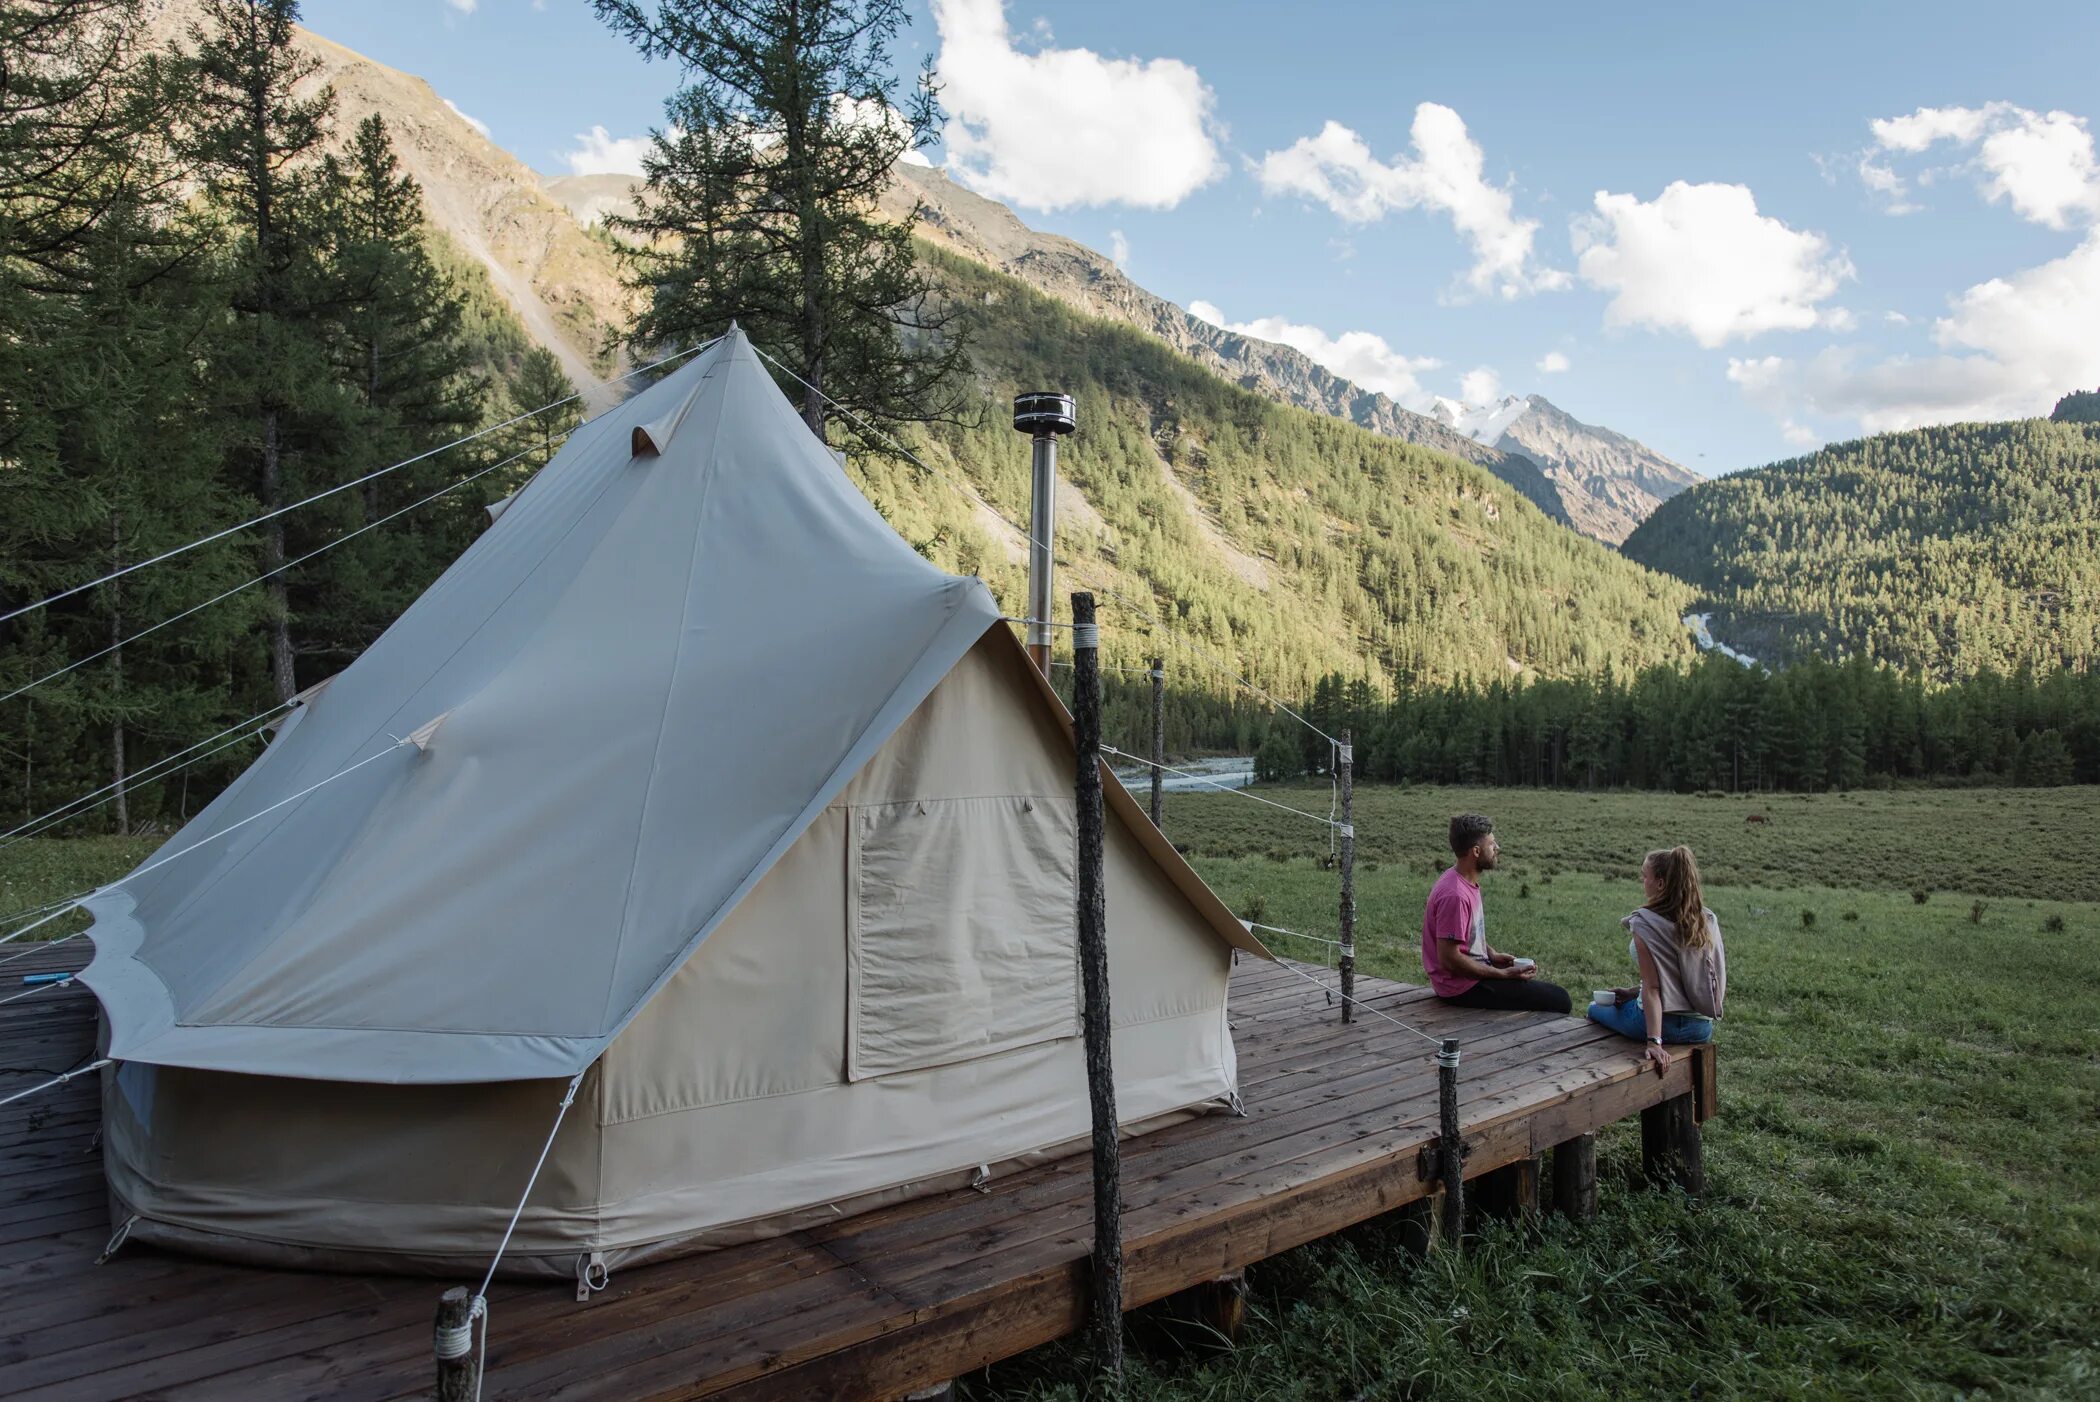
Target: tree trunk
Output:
{"points": [[371, 400], [116, 672], [280, 622]]}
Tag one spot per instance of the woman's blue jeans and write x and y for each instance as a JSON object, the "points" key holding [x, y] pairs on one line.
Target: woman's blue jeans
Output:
{"points": [[1628, 1020]]}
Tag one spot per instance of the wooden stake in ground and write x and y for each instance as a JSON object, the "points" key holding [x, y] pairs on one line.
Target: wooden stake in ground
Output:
{"points": [[1451, 1156], [1159, 739], [1345, 772], [458, 1368], [1107, 1320]]}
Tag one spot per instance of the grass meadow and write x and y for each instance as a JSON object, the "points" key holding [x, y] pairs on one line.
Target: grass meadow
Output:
{"points": [[1904, 1176]]}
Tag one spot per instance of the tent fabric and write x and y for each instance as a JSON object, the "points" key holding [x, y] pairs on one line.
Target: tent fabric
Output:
{"points": [[654, 672], [728, 1109]]}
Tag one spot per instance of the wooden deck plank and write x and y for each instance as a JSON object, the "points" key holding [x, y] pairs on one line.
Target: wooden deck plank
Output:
{"points": [[865, 1306]]}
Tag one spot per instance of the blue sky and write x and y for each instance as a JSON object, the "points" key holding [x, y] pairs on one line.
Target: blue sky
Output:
{"points": [[1732, 232]]}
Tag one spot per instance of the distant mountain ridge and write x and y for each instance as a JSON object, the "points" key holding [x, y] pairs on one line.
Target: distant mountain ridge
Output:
{"points": [[1600, 482], [1949, 550], [1609, 483]]}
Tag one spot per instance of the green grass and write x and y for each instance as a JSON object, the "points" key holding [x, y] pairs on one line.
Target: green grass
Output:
{"points": [[1904, 1177]]}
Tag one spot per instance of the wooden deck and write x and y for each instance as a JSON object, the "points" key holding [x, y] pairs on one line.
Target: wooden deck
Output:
{"points": [[873, 1306]]}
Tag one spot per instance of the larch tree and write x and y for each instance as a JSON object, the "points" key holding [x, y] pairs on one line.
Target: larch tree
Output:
{"points": [[761, 202], [255, 138], [399, 348]]}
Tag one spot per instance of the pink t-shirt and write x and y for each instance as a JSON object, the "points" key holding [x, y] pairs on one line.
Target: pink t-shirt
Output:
{"points": [[1454, 912]]}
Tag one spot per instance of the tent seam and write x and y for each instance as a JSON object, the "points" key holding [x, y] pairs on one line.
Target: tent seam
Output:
{"points": [[692, 565]]}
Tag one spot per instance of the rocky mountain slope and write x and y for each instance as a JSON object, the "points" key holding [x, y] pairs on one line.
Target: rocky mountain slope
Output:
{"points": [[558, 277], [1608, 482]]}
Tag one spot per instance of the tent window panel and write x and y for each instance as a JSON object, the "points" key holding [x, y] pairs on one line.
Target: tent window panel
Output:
{"points": [[960, 931]]}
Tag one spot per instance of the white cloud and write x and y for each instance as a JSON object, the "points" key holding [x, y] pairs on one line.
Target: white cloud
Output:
{"points": [[1359, 356], [1927, 125], [1443, 172], [1885, 182], [1054, 128], [465, 7], [2008, 348], [1553, 363], [2041, 163], [1480, 385], [599, 152], [1118, 248], [474, 122], [1700, 259], [1895, 318]]}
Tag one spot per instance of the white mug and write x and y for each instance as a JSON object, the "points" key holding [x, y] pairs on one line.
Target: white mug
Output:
{"points": [[1609, 997]]}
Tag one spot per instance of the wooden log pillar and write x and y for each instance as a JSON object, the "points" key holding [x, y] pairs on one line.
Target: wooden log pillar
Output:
{"points": [[1670, 1145], [458, 1366], [1203, 1318], [1107, 1303], [1575, 1177], [1159, 742], [1345, 772], [1509, 1193], [1451, 1148]]}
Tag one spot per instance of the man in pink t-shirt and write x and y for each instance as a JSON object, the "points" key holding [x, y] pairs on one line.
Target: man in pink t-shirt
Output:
{"points": [[1462, 968]]}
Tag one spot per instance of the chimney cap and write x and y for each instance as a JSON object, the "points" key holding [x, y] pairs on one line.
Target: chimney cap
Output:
{"points": [[1044, 412]]}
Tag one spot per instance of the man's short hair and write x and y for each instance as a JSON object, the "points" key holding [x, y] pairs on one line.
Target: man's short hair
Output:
{"points": [[1466, 830]]}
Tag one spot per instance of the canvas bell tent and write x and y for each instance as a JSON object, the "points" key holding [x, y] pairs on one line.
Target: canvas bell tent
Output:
{"points": [[693, 779]]}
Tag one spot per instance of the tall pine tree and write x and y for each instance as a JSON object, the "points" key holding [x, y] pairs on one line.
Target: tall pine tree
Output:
{"points": [[760, 205], [256, 142]]}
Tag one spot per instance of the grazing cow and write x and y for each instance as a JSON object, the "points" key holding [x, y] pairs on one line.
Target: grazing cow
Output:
{"points": [[1757, 818]]}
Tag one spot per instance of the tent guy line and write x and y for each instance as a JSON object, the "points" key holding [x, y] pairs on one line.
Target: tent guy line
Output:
{"points": [[916, 461], [71, 902], [57, 1080], [1358, 1002], [344, 486], [1204, 779], [1154, 618], [59, 816], [266, 574], [479, 1310], [66, 982], [40, 946]]}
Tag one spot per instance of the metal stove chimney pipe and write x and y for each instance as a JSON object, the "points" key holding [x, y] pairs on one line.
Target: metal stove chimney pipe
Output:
{"points": [[1045, 416]]}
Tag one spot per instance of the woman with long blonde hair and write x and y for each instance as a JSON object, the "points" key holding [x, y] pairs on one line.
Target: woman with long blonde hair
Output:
{"points": [[1684, 968]]}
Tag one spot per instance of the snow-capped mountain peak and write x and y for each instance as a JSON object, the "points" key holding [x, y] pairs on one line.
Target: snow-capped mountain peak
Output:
{"points": [[1483, 423]]}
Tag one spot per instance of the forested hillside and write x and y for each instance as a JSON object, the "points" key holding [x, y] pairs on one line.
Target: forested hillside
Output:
{"points": [[1718, 726], [1286, 541], [197, 339], [1949, 550]]}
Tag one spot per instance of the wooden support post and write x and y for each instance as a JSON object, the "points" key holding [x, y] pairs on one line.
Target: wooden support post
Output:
{"points": [[458, 1366], [1510, 1192], [1575, 1177], [1451, 1148], [1159, 742], [1705, 1082], [1417, 1225], [1345, 772], [1107, 1317], [1670, 1145]]}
